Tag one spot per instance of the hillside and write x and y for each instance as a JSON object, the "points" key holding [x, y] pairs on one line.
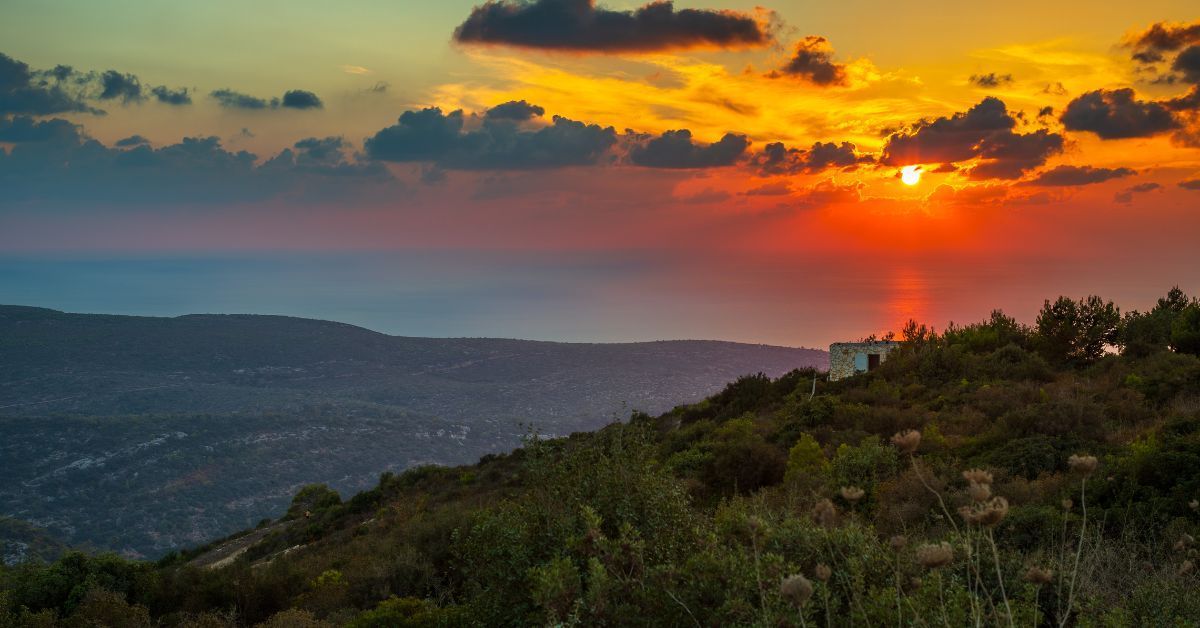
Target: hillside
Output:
{"points": [[143, 434], [994, 474]]}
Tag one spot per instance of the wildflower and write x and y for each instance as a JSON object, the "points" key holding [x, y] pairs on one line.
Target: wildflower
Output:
{"points": [[796, 589], [907, 441], [1039, 576], [825, 514], [822, 572], [932, 556], [898, 542], [1085, 465], [977, 476], [852, 493], [979, 492]]}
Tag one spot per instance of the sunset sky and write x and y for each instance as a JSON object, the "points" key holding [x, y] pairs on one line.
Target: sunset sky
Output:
{"points": [[562, 170]]}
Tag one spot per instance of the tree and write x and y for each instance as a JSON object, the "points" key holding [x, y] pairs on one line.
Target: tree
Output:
{"points": [[1076, 332], [1185, 330]]}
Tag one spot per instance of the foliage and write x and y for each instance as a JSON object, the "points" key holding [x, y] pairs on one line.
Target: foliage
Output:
{"points": [[1053, 484]]}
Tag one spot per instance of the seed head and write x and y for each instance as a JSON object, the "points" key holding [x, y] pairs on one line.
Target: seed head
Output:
{"points": [[933, 556], [979, 492], [852, 493], [985, 514], [907, 441], [1067, 504], [796, 589], [1194, 504], [1039, 576], [1085, 465], [1187, 567], [822, 572], [825, 514], [1184, 542], [898, 542], [978, 476]]}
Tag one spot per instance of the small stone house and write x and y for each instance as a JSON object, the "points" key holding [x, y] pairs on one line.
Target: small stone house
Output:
{"points": [[851, 358]]}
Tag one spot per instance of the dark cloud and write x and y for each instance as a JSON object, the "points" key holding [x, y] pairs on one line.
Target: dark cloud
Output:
{"points": [[579, 26], [1190, 184], [1117, 114], [1151, 45], [443, 140], [991, 79], [300, 99], [169, 96], [1055, 89], [985, 132], [19, 129], [813, 62], [132, 140], [518, 110], [777, 159], [293, 99], [675, 149], [380, 87], [114, 84], [1187, 64], [1126, 195], [1063, 176], [22, 91], [236, 100], [1045, 112], [66, 170]]}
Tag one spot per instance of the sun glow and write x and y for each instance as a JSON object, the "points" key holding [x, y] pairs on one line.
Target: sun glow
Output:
{"points": [[910, 175]]}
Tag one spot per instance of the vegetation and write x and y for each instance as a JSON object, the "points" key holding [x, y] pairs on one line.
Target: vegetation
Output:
{"points": [[991, 474]]}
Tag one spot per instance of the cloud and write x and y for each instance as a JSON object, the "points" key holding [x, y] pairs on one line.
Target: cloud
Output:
{"points": [[777, 188], [19, 129], [1117, 114], [1150, 45], [813, 62], [829, 192], [1187, 63], [132, 140], [54, 164], [777, 159], [1190, 184], [169, 96], [1063, 176], [579, 26], [292, 99], [518, 110], [300, 99], [991, 79], [236, 100], [442, 139], [114, 85], [675, 149], [1126, 195], [970, 195], [23, 92], [983, 132]]}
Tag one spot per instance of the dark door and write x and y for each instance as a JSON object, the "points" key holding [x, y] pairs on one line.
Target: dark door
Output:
{"points": [[872, 361]]}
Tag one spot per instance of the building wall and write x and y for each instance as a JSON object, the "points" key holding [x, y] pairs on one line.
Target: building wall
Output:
{"points": [[842, 356]]}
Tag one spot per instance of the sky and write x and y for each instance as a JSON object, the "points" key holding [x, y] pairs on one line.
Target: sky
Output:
{"points": [[791, 173]]}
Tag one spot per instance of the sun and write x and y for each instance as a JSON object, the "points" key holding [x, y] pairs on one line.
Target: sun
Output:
{"points": [[910, 175]]}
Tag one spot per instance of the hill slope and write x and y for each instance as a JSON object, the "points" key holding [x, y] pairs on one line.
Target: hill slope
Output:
{"points": [[143, 434], [991, 474]]}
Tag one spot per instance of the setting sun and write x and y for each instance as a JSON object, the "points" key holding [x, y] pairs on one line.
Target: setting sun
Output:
{"points": [[910, 175]]}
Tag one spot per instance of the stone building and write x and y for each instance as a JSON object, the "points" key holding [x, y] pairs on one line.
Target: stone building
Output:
{"points": [[851, 358]]}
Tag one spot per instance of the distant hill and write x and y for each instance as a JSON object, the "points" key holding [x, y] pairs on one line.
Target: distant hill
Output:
{"points": [[142, 434]]}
